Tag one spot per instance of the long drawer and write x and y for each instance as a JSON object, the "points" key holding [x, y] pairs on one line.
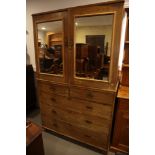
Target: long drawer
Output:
{"points": [[91, 95], [77, 105], [48, 87], [93, 123], [97, 139]]}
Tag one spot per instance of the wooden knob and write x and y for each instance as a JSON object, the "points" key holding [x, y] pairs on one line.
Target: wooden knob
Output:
{"points": [[53, 99], [54, 112], [87, 121], [89, 107], [89, 95]]}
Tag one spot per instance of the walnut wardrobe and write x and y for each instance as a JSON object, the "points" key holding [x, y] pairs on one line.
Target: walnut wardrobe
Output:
{"points": [[77, 52]]}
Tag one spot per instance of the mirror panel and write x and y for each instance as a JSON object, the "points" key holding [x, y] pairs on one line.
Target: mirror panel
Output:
{"points": [[50, 47], [93, 42]]}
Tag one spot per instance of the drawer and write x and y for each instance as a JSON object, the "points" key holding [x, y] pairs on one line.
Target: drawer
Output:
{"points": [[49, 87], [77, 105], [97, 139], [91, 95], [93, 123]]}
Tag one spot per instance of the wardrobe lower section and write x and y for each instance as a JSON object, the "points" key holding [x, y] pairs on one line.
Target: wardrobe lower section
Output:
{"points": [[79, 113]]}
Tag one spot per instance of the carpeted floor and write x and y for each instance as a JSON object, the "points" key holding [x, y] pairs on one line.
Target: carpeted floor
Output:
{"points": [[54, 145]]}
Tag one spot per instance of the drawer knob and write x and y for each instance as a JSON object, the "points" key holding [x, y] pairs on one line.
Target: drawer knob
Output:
{"points": [[70, 125], [53, 99], [69, 111], [89, 107], [89, 95], [89, 122], [54, 112]]}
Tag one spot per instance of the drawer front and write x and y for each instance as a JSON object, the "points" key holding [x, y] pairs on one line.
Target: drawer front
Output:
{"points": [[90, 122], [97, 139], [77, 105], [90, 95], [49, 87]]}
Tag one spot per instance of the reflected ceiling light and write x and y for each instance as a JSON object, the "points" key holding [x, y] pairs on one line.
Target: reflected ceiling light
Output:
{"points": [[76, 23], [43, 28]]}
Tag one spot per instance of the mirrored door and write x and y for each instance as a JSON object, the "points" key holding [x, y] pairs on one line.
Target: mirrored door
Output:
{"points": [[50, 47], [51, 38], [95, 35], [93, 40]]}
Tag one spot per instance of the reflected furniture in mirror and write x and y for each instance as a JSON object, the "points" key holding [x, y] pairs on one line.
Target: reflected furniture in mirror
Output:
{"points": [[95, 31], [50, 41], [84, 83]]}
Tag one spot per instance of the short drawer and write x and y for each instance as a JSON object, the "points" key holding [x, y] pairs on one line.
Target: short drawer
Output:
{"points": [[49, 87], [91, 95], [78, 105], [97, 139]]}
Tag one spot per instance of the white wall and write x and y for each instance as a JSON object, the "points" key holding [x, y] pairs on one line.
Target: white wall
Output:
{"points": [[41, 36], [37, 6]]}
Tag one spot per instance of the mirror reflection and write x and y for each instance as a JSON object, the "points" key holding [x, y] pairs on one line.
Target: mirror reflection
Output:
{"points": [[93, 37], [50, 46]]}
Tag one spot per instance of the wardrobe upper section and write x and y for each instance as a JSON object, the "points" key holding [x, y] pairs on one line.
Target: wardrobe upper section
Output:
{"points": [[79, 45]]}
